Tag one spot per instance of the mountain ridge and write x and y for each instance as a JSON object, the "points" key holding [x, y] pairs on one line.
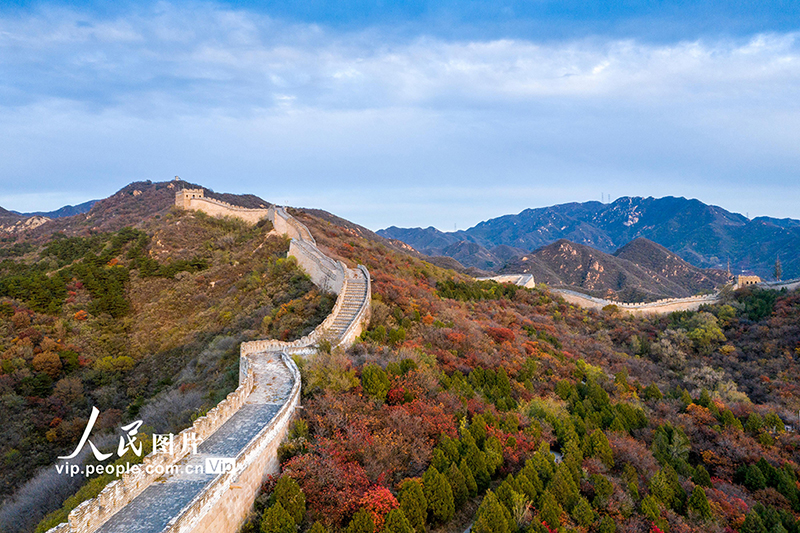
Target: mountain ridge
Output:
{"points": [[706, 236]]}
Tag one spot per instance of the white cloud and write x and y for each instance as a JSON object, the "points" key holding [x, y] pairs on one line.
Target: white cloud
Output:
{"points": [[244, 102]]}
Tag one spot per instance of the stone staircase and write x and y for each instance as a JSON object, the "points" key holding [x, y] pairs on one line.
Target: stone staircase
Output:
{"points": [[354, 293]]}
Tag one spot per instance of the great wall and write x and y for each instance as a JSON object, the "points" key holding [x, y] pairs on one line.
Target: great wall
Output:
{"points": [[247, 426]]}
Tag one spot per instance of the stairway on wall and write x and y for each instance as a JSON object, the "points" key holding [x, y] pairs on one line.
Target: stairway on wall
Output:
{"points": [[354, 293]]}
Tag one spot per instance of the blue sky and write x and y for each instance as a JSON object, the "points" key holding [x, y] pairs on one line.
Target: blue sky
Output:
{"points": [[404, 113]]}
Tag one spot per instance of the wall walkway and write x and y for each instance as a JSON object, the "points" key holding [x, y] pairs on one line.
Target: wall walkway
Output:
{"points": [[247, 426]]}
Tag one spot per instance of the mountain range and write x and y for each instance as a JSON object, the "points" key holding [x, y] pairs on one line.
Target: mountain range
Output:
{"points": [[705, 236]]}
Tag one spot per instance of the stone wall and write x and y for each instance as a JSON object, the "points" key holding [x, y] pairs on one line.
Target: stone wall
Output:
{"points": [[89, 515], [667, 305], [226, 503]]}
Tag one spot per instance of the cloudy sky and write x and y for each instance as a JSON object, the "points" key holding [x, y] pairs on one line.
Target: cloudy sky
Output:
{"points": [[404, 113]]}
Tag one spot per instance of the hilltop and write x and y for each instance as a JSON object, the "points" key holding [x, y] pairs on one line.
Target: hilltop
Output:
{"points": [[639, 271], [704, 235]]}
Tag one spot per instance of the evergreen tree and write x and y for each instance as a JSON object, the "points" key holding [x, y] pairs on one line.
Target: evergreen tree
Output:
{"points": [[459, 485], [493, 516], [318, 527], [754, 479], [752, 524], [477, 465], [362, 522], [526, 487], [652, 392], [600, 448], [701, 476], [602, 490], [291, 497], [667, 489], [396, 522], [563, 487], [439, 495], [277, 520], [413, 504], [549, 509], [607, 525], [582, 512], [505, 492], [469, 479], [375, 381], [698, 503]]}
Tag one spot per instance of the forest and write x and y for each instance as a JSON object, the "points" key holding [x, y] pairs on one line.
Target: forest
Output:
{"points": [[506, 409]]}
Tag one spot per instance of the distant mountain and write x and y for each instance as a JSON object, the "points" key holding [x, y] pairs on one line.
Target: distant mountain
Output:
{"points": [[571, 265], [704, 235], [66, 211]]}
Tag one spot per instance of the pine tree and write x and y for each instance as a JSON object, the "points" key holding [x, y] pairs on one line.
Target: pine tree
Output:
{"points": [[698, 503], [413, 504], [318, 527], [701, 476], [563, 487], [505, 492], [754, 479], [600, 448], [439, 495], [458, 484], [469, 479], [582, 512], [375, 381], [277, 520], [492, 516], [526, 487], [396, 522], [362, 522], [477, 464], [549, 509], [752, 524], [607, 525], [291, 497]]}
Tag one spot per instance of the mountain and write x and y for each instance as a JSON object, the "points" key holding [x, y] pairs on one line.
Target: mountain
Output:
{"points": [[704, 235], [570, 265], [66, 211]]}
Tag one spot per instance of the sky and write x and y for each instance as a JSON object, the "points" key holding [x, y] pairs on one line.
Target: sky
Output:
{"points": [[404, 113]]}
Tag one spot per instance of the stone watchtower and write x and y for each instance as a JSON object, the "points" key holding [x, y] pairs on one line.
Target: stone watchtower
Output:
{"points": [[183, 198]]}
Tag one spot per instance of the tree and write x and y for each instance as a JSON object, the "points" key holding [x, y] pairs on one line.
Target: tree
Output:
{"points": [[375, 381], [413, 504], [671, 446], [396, 522], [582, 512], [361, 523], [318, 527], [277, 520], [459, 485], [607, 525], [469, 479], [493, 516], [600, 448], [754, 479], [701, 476], [549, 509], [698, 503], [289, 495], [752, 524], [439, 495], [563, 487]]}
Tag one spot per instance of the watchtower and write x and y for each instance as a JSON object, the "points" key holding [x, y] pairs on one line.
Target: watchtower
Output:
{"points": [[183, 198]]}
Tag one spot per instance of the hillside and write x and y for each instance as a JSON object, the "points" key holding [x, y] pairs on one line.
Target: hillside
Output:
{"points": [[651, 273], [138, 309], [704, 235], [444, 411]]}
